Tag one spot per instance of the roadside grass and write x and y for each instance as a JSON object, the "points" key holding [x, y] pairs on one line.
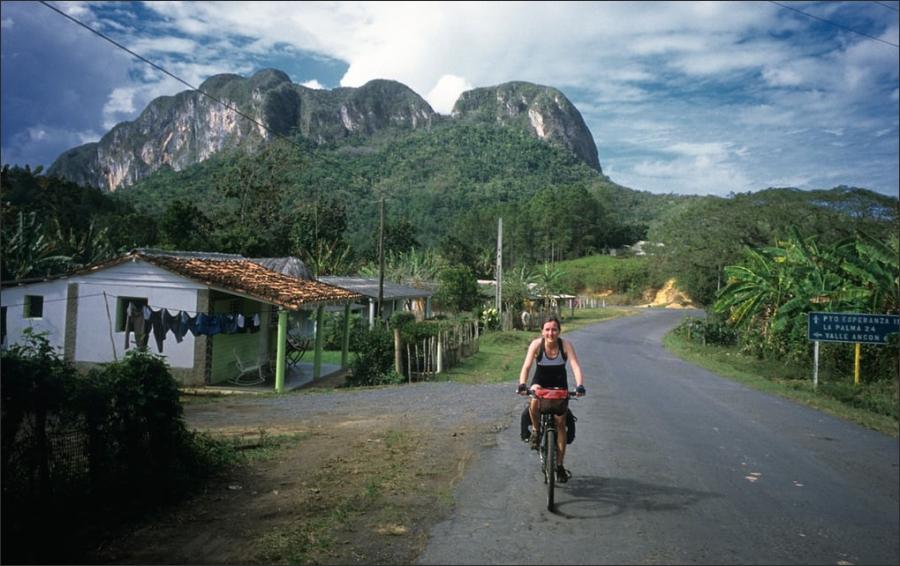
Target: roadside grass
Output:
{"points": [[500, 354], [777, 378]]}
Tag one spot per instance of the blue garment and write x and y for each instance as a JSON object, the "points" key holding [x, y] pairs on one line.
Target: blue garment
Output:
{"points": [[208, 324]]}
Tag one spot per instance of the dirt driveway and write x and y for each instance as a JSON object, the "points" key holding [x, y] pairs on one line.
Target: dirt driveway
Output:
{"points": [[341, 476]]}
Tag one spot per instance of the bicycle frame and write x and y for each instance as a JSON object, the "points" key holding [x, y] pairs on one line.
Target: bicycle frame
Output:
{"points": [[547, 448]]}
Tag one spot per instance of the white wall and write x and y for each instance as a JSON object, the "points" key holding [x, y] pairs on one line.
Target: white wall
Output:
{"points": [[161, 288], [96, 337], [52, 322]]}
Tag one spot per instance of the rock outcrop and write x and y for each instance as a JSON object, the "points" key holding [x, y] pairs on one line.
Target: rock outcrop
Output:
{"points": [[544, 111], [229, 111]]}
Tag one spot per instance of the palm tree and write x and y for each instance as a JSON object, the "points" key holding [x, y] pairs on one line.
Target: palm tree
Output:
{"points": [[27, 252]]}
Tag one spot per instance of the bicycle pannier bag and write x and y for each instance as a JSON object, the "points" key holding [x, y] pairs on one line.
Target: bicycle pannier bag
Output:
{"points": [[570, 427]]}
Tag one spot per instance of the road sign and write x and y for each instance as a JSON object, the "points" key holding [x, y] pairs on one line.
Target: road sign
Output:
{"points": [[852, 327]]}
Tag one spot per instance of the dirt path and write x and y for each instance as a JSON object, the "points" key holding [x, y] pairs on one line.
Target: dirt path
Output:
{"points": [[357, 477]]}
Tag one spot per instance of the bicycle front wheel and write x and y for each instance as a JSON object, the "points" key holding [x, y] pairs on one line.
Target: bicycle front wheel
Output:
{"points": [[550, 469]]}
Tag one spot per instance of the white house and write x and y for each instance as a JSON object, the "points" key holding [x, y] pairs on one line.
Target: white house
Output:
{"points": [[84, 314]]}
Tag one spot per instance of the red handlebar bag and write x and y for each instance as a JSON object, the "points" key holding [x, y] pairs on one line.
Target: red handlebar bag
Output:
{"points": [[551, 393]]}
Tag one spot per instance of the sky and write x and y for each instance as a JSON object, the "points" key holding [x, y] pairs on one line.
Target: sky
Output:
{"points": [[705, 98]]}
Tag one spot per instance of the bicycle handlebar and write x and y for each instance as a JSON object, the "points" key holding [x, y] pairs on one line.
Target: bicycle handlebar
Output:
{"points": [[573, 394]]}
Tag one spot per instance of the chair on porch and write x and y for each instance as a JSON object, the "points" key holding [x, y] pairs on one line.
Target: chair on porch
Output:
{"points": [[296, 348], [251, 373]]}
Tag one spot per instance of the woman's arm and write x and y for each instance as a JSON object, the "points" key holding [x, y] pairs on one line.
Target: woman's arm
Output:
{"points": [[573, 360], [529, 359]]}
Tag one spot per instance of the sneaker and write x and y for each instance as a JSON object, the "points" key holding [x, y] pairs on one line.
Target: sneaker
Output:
{"points": [[562, 474], [534, 440]]}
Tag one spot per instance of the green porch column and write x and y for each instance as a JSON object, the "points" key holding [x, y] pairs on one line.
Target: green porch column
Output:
{"points": [[317, 360], [279, 355], [345, 348]]}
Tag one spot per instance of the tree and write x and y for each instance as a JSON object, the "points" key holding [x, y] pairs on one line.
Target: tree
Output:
{"points": [[458, 289], [185, 227], [255, 222]]}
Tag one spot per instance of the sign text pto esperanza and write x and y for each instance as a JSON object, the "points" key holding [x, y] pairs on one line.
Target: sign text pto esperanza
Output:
{"points": [[852, 327]]}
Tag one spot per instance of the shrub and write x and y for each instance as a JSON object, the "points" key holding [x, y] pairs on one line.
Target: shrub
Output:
{"points": [[707, 331], [374, 358], [83, 453]]}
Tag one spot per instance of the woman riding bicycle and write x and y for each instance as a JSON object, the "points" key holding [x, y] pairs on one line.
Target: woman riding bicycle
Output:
{"points": [[551, 353]]}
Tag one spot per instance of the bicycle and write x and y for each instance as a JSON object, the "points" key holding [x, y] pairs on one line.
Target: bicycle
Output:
{"points": [[547, 434]]}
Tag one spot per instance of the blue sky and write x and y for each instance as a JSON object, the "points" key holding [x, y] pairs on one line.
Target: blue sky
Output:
{"points": [[681, 97]]}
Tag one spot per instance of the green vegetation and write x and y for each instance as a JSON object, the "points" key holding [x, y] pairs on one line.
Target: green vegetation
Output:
{"points": [[628, 276], [82, 454], [769, 295], [702, 236]]}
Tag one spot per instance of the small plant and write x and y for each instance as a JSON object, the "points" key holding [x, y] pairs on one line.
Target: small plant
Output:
{"points": [[490, 318]]}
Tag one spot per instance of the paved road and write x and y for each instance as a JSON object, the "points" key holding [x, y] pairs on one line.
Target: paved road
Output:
{"points": [[674, 465]]}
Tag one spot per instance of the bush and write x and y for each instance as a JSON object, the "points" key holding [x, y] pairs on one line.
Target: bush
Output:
{"points": [[374, 358], [709, 331], [333, 336], [81, 454]]}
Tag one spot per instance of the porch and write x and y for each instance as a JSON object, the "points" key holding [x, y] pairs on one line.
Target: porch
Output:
{"points": [[296, 376]]}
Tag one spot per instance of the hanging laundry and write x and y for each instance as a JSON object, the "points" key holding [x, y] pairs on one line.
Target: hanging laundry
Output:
{"points": [[229, 323], [134, 322], [174, 323], [208, 324], [153, 320]]}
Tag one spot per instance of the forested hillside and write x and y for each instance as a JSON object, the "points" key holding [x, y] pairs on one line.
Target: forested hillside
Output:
{"points": [[452, 181], [443, 189]]}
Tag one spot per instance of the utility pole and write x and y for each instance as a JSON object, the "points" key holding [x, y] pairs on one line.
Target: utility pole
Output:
{"points": [[380, 260], [499, 271]]}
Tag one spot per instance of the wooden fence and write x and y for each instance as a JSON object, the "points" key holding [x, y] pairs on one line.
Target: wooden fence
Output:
{"points": [[423, 359]]}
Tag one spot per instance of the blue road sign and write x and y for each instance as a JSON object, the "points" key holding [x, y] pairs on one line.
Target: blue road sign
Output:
{"points": [[852, 327]]}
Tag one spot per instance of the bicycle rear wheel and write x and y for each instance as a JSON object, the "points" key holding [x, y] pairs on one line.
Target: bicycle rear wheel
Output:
{"points": [[550, 466]]}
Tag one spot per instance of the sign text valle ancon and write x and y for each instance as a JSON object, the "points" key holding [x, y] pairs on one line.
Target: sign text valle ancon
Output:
{"points": [[852, 327]]}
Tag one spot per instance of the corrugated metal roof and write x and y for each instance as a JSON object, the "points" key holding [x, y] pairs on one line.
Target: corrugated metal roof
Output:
{"points": [[286, 265], [369, 287]]}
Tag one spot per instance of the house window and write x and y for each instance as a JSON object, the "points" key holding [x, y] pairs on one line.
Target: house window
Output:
{"points": [[34, 306], [122, 309]]}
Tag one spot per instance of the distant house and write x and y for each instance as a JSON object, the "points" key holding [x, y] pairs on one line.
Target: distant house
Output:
{"points": [[237, 309], [396, 297]]}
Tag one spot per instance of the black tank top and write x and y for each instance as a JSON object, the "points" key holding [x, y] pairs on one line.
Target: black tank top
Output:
{"points": [[551, 372]]}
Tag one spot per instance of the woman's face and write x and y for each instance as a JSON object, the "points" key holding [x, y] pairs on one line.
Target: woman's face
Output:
{"points": [[550, 331]]}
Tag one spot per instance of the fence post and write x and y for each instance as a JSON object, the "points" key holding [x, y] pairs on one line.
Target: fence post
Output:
{"points": [[440, 353], [398, 361]]}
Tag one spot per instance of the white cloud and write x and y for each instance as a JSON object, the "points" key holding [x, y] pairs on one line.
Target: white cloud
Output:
{"points": [[446, 92], [43, 139], [649, 78], [313, 84]]}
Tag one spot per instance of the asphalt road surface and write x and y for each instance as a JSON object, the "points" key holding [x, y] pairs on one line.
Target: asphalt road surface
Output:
{"points": [[675, 465]]}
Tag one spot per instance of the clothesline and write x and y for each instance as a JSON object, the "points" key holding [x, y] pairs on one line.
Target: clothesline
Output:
{"points": [[262, 311]]}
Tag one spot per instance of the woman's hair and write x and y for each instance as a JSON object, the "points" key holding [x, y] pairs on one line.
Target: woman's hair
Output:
{"points": [[552, 319]]}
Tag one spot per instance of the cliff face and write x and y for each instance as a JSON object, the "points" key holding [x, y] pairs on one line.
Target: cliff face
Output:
{"points": [[181, 130], [544, 111]]}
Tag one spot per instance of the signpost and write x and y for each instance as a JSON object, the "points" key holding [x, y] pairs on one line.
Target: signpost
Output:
{"points": [[849, 327]]}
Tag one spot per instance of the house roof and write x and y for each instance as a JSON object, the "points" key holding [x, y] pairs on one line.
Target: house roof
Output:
{"points": [[369, 288], [250, 278], [237, 274]]}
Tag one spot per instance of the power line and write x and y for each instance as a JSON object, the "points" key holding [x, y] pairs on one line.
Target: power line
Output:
{"points": [[833, 23], [888, 6], [162, 70]]}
